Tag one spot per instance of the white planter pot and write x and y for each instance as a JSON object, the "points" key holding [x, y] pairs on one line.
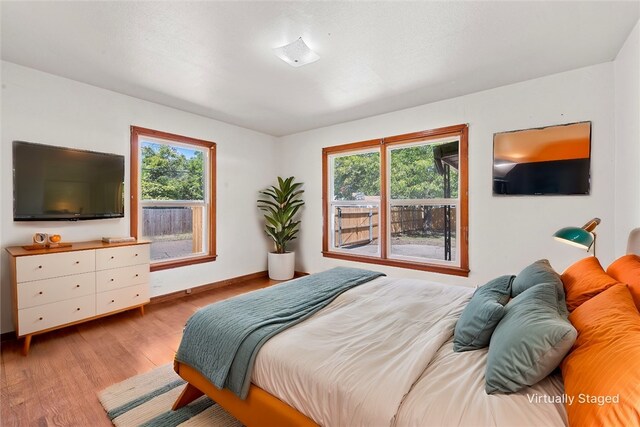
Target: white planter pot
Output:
{"points": [[281, 266]]}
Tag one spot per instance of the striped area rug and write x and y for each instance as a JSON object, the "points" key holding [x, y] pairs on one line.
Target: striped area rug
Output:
{"points": [[146, 400]]}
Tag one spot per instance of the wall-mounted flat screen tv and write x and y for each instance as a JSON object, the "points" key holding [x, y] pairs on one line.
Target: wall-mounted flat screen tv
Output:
{"points": [[56, 183], [553, 160]]}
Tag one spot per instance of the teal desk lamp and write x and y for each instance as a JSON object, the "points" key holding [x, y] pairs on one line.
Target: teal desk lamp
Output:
{"points": [[581, 237]]}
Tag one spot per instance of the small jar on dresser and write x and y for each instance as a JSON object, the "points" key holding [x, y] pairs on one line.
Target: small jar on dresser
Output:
{"points": [[58, 287]]}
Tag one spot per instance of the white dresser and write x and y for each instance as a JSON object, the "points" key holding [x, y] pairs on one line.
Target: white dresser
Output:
{"points": [[58, 287]]}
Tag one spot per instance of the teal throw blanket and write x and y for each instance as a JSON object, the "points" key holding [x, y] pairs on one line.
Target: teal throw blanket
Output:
{"points": [[222, 340]]}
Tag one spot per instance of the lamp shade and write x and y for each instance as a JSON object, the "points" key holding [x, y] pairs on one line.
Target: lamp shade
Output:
{"points": [[575, 236]]}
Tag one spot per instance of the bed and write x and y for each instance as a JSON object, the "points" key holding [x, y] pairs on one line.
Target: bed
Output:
{"points": [[379, 354]]}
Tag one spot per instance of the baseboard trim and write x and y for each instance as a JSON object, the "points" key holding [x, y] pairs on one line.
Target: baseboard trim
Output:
{"points": [[8, 336], [209, 286]]}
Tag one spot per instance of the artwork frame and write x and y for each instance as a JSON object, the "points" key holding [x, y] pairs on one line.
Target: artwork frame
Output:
{"points": [[551, 160]]}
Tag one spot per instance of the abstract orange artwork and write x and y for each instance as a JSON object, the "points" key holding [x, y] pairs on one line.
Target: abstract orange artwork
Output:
{"points": [[549, 160]]}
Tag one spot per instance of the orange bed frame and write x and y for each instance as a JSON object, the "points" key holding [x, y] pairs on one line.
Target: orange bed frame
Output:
{"points": [[258, 409]]}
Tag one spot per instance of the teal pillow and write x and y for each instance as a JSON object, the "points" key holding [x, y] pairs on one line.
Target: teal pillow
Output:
{"points": [[536, 273], [529, 342], [480, 317]]}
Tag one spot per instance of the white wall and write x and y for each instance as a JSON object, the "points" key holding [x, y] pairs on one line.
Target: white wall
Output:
{"points": [[506, 233], [43, 108], [627, 155]]}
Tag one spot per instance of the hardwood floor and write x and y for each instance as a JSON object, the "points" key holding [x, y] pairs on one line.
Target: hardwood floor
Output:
{"points": [[57, 384]]}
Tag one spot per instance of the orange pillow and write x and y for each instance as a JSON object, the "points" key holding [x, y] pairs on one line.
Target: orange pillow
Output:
{"points": [[626, 269], [602, 372], [584, 280]]}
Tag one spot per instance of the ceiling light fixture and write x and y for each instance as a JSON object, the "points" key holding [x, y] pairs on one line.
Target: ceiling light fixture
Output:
{"points": [[296, 54]]}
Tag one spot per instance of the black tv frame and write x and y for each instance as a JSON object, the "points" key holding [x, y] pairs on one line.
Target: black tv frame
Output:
{"points": [[570, 166], [63, 217]]}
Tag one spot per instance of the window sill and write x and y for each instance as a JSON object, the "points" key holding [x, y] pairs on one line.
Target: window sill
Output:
{"points": [[165, 265], [434, 268]]}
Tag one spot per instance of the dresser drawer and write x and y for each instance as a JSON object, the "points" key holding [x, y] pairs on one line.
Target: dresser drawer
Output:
{"points": [[107, 280], [122, 256], [47, 316], [38, 267], [118, 299], [39, 292]]}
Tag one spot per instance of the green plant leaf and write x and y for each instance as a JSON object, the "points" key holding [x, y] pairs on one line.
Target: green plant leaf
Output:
{"points": [[280, 204]]}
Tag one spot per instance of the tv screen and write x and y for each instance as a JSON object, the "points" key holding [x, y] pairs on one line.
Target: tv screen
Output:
{"points": [[543, 161], [56, 183]]}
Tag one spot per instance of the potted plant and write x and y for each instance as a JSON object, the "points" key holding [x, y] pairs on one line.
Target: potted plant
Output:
{"points": [[280, 205]]}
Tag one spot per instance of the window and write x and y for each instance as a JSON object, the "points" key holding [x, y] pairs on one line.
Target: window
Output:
{"points": [[399, 201], [173, 197]]}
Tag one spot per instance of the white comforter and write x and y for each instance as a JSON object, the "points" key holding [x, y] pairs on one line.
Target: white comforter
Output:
{"points": [[380, 355], [451, 393]]}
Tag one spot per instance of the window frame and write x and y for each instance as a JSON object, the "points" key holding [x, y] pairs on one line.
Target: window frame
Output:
{"points": [[356, 203], [384, 145], [137, 204]]}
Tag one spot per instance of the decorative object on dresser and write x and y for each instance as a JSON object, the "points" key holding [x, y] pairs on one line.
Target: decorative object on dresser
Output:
{"points": [[583, 237], [118, 239], [280, 205], [40, 238], [57, 287], [44, 240], [54, 240]]}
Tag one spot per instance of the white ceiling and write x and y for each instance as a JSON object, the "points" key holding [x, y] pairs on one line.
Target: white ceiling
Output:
{"points": [[215, 58]]}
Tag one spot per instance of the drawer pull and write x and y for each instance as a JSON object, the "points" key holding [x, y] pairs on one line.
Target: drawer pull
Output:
{"points": [[42, 318], [136, 255], [77, 262], [112, 257], [113, 300], [77, 286], [78, 309], [39, 266], [111, 280], [137, 295], [40, 293], [137, 274]]}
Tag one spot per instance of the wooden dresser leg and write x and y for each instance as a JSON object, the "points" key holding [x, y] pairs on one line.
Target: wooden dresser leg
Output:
{"points": [[26, 345], [142, 310], [188, 395]]}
